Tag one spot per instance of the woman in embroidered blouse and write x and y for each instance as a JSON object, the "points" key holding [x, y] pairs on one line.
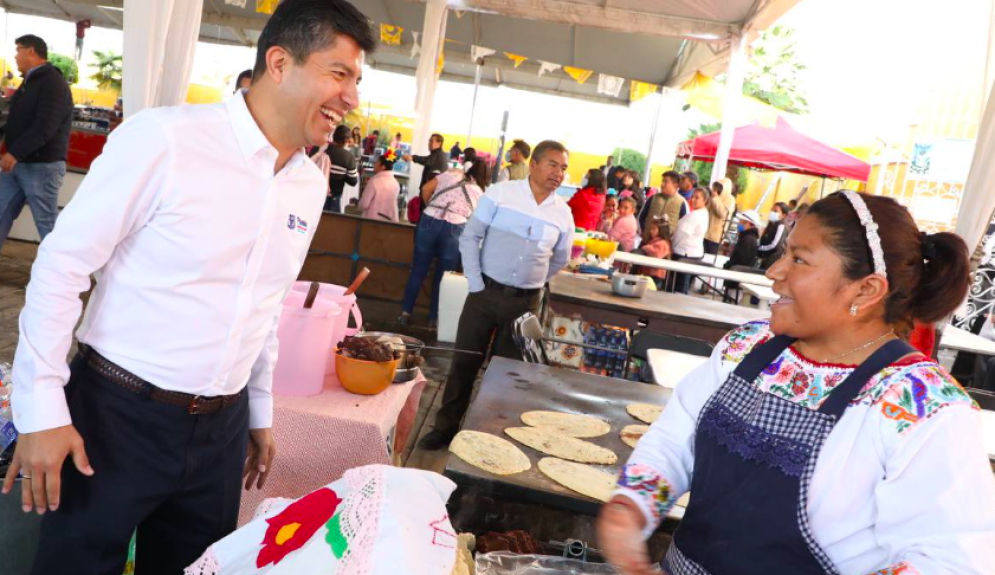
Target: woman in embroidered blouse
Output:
{"points": [[799, 461], [450, 199]]}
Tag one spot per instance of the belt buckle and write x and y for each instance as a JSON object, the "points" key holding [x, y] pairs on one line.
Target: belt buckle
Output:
{"points": [[195, 405]]}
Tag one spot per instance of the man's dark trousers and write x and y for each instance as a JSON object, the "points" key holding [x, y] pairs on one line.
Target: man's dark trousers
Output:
{"points": [[173, 475], [486, 314]]}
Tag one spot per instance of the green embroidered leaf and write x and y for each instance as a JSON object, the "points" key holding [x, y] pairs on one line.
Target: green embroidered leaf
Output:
{"points": [[906, 400], [335, 538]]}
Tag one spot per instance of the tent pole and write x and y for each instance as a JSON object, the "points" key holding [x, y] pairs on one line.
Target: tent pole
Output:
{"points": [[473, 105], [649, 153], [730, 103], [426, 79]]}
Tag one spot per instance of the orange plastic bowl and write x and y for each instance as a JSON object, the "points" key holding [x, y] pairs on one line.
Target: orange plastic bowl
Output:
{"points": [[364, 377]]}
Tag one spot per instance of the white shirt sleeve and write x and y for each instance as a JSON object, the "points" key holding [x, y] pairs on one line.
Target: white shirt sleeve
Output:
{"points": [[504, 175], [934, 514], [117, 197], [659, 469]]}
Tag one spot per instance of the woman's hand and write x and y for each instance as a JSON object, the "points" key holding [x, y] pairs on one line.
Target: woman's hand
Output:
{"points": [[620, 537]]}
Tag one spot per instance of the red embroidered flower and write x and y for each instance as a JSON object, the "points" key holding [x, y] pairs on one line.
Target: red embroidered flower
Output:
{"points": [[800, 383], [295, 525]]}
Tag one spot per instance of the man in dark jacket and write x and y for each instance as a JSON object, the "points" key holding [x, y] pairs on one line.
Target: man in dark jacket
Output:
{"points": [[343, 170], [36, 138], [744, 256], [436, 162]]}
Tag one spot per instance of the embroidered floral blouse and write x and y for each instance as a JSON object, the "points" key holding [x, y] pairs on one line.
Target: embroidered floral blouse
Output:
{"points": [[902, 484]]}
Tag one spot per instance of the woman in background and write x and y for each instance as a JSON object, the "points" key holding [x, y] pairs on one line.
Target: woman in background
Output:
{"points": [[450, 199], [588, 203]]}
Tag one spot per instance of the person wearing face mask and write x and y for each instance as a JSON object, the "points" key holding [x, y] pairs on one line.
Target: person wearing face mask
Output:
{"points": [[772, 241], [517, 168], [819, 441], [205, 213]]}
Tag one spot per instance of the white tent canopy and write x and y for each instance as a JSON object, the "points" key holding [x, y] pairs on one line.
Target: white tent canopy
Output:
{"points": [[633, 39]]}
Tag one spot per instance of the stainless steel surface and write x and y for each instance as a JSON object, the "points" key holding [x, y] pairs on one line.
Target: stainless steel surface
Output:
{"points": [[510, 388], [627, 285]]}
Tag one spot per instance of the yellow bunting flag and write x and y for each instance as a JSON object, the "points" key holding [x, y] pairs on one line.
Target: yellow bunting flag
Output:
{"points": [[516, 58], [639, 90], [391, 35], [266, 6], [578, 74]]}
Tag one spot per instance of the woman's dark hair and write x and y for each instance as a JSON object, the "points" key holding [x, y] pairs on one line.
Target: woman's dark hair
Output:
{"points": [[717, 187], [928, 275], [387, 164], [784, 208], [302, 27], [479, 171], [596, 180], [469, 154]]}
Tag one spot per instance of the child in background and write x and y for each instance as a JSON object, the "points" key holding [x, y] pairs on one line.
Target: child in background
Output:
{"points": [[609, 214], [655, 247], [626, 228]]}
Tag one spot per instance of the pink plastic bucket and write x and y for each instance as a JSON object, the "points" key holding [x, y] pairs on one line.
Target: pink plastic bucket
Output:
{"points": [[305, 337], [334, 294]]}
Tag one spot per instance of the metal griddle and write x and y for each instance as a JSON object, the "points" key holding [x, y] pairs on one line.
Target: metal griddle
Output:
{"points": [[510, 388]]}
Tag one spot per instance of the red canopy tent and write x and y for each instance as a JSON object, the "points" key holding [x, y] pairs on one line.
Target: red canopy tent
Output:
{"points": [[779, 148]]}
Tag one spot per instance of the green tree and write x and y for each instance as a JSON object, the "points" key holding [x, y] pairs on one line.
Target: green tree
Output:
{"points": [[66, 65], [630, 159], [773, 71], [109, 71]]}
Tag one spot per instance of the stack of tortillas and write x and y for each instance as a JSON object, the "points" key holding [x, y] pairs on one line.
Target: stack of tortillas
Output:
{"points": [[489, 452], [571, 424], [646, 412], [581, 478], [562, 446], [631, 434]]}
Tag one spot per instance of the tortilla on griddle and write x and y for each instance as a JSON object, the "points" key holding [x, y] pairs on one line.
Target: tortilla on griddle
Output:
{"points": [[562, 446], [645, 412], [572, 424], [578, 477], [631, 434], [489, 452]]}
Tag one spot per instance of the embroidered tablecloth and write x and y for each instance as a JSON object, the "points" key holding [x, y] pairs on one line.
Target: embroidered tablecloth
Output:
{"points": [[318, 438]]}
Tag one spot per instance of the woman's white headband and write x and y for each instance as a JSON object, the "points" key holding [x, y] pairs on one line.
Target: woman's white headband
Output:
{"points": [[870, 229]]}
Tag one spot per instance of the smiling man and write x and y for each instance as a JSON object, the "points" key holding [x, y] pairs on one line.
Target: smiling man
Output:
{"points": [[196, 221], [518, 237]]}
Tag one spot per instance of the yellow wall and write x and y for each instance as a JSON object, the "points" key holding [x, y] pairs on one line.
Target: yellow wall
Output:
{"points": [[787, 188]]}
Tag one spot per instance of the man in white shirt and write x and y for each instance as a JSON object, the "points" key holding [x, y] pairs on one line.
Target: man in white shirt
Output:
{"points": [[688, 243], [196, 221]]}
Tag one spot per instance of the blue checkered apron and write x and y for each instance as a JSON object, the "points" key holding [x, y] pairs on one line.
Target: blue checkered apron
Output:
{"points": [[754, 458]]}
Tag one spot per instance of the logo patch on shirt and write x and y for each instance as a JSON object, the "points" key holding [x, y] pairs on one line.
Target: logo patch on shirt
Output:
{"points": [[296, 223]]}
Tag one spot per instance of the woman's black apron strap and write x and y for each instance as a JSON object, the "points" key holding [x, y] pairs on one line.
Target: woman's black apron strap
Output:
{"points": [[761, 356]]}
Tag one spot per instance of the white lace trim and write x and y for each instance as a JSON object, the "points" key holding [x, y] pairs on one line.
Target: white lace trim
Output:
{"points": [[207, 564]]}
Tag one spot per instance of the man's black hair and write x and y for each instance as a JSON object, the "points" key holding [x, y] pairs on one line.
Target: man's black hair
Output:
{"points": [[302, 27], [32, 41]]}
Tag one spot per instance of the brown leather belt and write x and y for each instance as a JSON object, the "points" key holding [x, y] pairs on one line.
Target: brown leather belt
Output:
{"points": [[195, 404]]}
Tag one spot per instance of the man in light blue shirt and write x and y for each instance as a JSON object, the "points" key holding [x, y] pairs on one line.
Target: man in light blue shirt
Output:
{"points": [[517, 239]]}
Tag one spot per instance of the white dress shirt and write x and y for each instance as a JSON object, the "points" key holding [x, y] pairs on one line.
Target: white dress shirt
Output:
{"points": [[195, 242], [689, 237]]}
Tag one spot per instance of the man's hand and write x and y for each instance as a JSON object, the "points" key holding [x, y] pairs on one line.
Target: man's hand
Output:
{"points": [[40, 456], [406, 157], [7, 162], [620, 536], [262, 450]]}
